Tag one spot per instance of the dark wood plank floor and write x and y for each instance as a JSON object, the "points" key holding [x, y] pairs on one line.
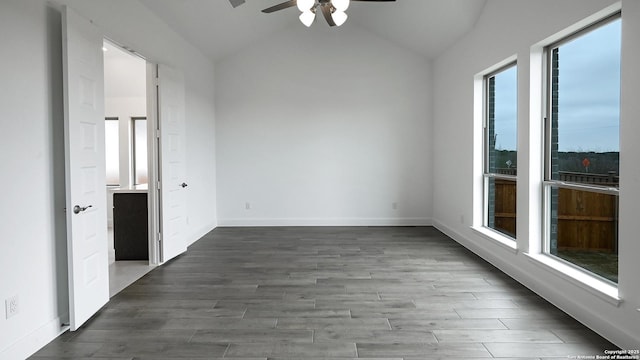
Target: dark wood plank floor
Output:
{"points": [[327, 293]]}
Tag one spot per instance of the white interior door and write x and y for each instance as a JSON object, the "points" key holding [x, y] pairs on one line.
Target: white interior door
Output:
{"points": [[85, 167], [173, 182]]}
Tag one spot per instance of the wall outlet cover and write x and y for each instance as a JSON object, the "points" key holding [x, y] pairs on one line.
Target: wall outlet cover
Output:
{"points": [[12, 306]]}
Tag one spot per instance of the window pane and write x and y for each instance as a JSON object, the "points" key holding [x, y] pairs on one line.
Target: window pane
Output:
{"points": [[585, 144], [112, 152], [501, 198], [502, 122], [140, 150], [501, 150], [584, 230], [584, 148]]}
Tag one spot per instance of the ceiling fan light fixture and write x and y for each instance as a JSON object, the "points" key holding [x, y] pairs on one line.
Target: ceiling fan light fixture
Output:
{"points": [[339, 17], [333, 11], [305, 5], [307, 18], [340, 5]]}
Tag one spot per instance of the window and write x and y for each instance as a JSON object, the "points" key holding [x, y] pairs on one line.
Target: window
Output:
{"points": [[139, 126], [500, 150], [112, 151], [582, 149]]}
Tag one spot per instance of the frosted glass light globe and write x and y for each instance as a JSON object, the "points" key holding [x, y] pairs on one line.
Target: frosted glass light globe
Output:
{"points": [[305, 5], [340, 5], [307, 18], [339, 17]]}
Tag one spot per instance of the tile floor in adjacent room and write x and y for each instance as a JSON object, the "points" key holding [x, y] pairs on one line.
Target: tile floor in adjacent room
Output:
{"points": [[123, 273], [327, 293]]}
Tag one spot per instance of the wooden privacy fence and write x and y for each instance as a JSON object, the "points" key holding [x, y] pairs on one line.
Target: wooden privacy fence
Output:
{"points": [[587, 220], [505, 206]]}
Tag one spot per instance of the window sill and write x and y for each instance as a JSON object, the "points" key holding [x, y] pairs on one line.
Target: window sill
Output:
{"points": [[595, 286], [504, 241]]}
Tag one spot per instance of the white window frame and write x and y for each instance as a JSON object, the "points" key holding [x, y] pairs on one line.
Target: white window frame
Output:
{"points": [[478, 164], [117, 120], [581, 274], [134, 148], [487, 175]]}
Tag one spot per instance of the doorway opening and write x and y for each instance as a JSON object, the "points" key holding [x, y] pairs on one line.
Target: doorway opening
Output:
{"points": [[128, 165]]}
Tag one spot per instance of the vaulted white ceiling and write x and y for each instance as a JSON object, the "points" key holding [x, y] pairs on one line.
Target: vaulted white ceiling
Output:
{"points": [[427, 27]]}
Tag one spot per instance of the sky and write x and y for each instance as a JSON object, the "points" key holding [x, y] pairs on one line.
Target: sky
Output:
{"points": [[589, 103], [506, 109]]}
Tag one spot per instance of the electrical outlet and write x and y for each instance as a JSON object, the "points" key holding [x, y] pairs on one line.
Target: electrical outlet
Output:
{"points": [[12, 306], [394, 206], [247, 206]]}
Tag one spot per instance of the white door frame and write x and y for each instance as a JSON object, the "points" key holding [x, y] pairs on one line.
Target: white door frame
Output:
{"points": [[153, 205], [153, 156]]}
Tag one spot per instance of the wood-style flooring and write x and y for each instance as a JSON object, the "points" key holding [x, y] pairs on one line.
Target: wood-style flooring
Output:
{"points": [[327, 293]]}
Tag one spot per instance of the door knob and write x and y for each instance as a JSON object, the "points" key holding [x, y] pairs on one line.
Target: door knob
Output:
{"points": [[78, 209], [184, 185]]}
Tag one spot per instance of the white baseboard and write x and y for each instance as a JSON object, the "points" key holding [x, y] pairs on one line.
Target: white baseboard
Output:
{"points": [[31, 343], [534, 280], [247, 222], [198, 234]]}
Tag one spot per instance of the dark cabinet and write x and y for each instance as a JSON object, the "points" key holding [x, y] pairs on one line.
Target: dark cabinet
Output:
{"points": [[130, 226]]}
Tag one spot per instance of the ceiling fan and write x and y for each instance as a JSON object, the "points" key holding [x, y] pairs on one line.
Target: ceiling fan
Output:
{"points": [[236, 3], [332, 10]]}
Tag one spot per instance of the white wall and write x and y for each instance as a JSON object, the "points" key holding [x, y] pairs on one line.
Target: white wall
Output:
{"points": [[323, 127], [32, 225], [512, 27]]}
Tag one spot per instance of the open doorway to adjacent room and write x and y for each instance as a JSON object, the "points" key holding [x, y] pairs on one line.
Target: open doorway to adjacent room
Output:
{"points": [[127, 166]]}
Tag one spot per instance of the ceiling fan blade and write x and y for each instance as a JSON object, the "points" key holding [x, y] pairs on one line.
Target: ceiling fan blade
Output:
{"points": [[326, 11], [236, 3], [284, 5]]}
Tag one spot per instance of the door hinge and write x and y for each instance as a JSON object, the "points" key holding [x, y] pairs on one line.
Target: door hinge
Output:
{"points": [[156, 81], [159, 237], [158, 133], [159, 185]]}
